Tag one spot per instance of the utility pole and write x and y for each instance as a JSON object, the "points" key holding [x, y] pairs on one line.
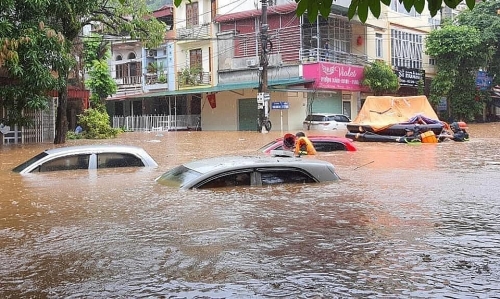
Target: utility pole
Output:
{"points": [[263, 98]]}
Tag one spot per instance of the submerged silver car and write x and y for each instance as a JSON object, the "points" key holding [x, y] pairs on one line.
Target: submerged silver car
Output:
{"points": [[228, 171], [87, 157]]}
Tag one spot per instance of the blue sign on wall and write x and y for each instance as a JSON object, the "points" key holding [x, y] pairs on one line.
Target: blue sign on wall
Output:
{"points": [[279, 105], [483, 81]]}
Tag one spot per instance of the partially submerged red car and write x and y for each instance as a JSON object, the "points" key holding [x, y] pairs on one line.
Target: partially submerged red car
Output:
{"points": [[323, 143]]}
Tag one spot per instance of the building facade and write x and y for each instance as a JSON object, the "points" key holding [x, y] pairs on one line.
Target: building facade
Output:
{"points": [[210, 67]]}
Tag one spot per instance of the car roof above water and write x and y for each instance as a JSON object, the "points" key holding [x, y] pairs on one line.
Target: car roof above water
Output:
{"points": [[103, 148], [238, 162]]}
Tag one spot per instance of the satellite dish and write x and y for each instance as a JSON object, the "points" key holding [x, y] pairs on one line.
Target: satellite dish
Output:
{"points": [[4, 129]]}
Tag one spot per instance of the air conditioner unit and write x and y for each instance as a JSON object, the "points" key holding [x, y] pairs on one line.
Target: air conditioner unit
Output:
{"points": [[151, 53], [251, 62]]}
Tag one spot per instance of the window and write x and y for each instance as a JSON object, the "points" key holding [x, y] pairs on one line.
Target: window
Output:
{"points": [[233, 179], [378, 45], [328, 146], [398, 6], [195, 58], [406, 49], [284, 176], [66, 163], [192, 14], [121, 71], [111, 160], [435, 22], [178, 176], [341, 118]]}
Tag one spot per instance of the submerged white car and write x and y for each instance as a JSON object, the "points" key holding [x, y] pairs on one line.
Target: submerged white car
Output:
{"points": [[228, 171], [87, 157]]}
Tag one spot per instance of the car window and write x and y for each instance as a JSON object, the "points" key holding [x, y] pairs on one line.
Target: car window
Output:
{"points": [[178, 176], [316, 118], [233, 179], [328, 146], [341, 118], [111, 160], [319, 118], [65, 163], [22, 166], [284, 176]]}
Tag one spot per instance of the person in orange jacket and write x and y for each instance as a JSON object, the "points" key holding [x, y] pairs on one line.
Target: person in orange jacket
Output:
{"points": [[303, 146]]}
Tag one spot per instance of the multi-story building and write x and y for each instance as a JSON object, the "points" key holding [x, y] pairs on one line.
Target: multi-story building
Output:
{"points": [[212, 63]]}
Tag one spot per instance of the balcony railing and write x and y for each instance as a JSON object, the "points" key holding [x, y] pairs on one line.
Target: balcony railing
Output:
{"points": [[191, 80], [131, 80], [196, 32], [318, 54]]}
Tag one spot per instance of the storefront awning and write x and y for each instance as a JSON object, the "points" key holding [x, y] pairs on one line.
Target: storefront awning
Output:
{"points": [[273, 85]]}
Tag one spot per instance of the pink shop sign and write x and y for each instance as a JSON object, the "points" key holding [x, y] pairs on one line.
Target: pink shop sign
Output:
{"points": [[335, 76]]}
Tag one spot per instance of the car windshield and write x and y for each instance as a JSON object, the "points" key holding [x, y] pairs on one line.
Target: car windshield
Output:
{"points": [[178, 176], [21, 167]]}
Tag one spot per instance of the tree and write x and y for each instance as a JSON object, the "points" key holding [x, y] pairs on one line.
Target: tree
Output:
{"points": [[460, 51], [361, 7], [30, 53], [486, 20], [95, 54], [19, 20], [380, 78]]}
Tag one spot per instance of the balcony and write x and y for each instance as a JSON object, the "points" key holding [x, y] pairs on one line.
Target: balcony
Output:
{"points": [[193, 79], [155, 82], [194, 33], [130, 80], [128, 85], [319, 54]]}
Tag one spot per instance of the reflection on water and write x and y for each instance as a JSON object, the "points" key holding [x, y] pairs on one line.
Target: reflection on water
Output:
{"points": [[413, 221]]}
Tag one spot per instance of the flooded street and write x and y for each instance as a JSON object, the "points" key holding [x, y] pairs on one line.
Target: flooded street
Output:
{"points": [[405, 221]]}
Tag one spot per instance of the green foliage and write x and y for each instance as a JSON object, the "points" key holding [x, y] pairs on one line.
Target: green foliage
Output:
{"points": [[72, 135], [36, 41], [380, 78], [95, 48], [96, 125], [100, 82], [30, 53], [190, 75], [486, 20], [362, 7], [420, 87], [460, 51]]}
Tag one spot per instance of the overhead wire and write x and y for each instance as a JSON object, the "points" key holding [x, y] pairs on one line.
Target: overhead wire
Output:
{"points": [[367, 37]]}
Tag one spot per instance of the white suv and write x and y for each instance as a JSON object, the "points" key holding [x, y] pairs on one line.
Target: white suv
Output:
{"points": [[326, 121]]}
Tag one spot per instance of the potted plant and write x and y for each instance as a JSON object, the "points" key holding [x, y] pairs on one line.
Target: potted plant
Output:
{"points": [[162, 78], [152, 67], [190, 75]]}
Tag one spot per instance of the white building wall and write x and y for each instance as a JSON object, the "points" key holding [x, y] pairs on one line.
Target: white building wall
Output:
{"points": [[225, 116]]}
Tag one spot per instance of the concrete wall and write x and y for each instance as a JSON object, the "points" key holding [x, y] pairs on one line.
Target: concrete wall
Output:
{"points": [[225, 116]]}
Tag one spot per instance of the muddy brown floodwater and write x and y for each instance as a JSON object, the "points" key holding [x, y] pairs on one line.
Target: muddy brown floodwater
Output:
{"points": [[405, 221]]}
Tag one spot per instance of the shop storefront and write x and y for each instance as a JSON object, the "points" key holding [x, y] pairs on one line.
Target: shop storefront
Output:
{"points": [[336, 88]]}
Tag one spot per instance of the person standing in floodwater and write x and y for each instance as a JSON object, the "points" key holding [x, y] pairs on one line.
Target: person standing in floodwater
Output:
{"points": [[303, 146]]}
